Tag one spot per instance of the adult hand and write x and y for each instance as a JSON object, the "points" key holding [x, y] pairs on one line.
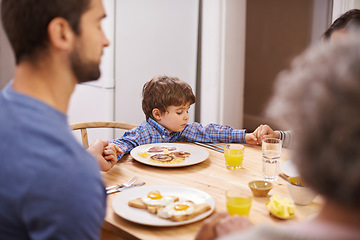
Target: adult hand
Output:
{"points": [[220, 224], [104, 153], [230, 224], [264, 131], [207, 230]]}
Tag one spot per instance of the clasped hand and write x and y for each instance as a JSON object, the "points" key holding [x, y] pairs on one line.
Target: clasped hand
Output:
{"points": [[104, 153]]}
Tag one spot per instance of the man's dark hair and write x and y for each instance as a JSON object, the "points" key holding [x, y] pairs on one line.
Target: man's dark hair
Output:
{"points": [[342, 22], [26, 21]]}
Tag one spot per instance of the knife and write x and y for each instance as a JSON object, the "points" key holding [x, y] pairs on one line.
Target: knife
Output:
{"points": [[124, 188], [215, 145], [208, 146]]}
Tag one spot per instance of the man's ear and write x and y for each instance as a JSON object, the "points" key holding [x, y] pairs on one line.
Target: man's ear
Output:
{"points": [[61, 35], [156, 114]]}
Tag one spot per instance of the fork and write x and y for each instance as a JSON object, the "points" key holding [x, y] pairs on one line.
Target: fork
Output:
{"points": [[124, 188], [126, 184]]}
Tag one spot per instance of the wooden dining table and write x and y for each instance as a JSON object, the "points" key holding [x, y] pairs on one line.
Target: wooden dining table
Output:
{"points": [[210, 176]]}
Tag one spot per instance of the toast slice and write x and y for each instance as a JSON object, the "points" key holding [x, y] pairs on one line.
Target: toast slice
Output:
{"points": [[137, 203]]}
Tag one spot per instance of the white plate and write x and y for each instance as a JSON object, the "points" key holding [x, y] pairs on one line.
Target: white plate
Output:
{"points": [[289, 169], [198, 154], [142, 216]]}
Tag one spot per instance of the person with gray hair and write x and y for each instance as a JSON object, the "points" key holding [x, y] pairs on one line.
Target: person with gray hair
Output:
{"points": [[347, 22], [319, 98]]}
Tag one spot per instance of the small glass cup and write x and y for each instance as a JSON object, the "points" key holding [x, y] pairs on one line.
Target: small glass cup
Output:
{"points": [[271, 150], [234, 156], [238, 201]]}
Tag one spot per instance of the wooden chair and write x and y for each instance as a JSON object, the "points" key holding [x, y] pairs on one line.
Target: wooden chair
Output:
{"points": [[83, 126]]}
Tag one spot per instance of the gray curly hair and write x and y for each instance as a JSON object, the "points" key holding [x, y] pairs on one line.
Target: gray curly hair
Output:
{"points": [[319, 98]]}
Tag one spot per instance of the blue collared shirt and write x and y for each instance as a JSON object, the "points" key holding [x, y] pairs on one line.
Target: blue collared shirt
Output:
{"points": [[152, 132]]}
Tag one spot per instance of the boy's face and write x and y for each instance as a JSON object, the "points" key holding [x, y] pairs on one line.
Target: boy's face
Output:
{"points": [[175, 118]]}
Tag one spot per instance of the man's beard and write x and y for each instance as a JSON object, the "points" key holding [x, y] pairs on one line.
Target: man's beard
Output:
{"points": [[84, 71]]}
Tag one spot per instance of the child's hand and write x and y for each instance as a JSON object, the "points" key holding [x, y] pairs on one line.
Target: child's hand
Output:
{"points": [[250, 138], [104, 153], [110, 154]]}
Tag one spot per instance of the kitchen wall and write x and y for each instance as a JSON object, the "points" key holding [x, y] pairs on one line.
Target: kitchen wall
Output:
{"points": [[341, 6], [222, 62], [276, 32]]}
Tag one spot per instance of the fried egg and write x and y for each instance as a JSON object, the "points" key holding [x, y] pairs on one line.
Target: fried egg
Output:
{"points": [[176, 208], [154, 198]]}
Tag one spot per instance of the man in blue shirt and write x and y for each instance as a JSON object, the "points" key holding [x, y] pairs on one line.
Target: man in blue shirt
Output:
{"points": [[166, 101], [51, 187]]}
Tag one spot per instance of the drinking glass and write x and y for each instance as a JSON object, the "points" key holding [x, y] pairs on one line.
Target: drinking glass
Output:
{"points": [[271, 150], [234, 155], [238, 201]]}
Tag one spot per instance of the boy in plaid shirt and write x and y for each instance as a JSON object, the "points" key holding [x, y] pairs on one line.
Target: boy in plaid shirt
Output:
{"points": [[166, 101]]}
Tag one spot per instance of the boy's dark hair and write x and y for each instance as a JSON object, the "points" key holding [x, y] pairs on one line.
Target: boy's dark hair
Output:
{"points": [[352, 15], [162, 92], [26, 21]]}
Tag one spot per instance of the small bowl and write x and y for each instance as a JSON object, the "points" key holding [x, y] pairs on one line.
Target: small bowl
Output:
{"points": [[301, 195], [260, 188]]}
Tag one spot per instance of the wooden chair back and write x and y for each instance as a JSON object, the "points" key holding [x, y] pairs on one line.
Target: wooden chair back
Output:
{"points": [[83, 126]]}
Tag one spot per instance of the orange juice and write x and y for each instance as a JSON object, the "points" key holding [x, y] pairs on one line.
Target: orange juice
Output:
{"points": [[234, 159], [239, 205], [234, 155]]}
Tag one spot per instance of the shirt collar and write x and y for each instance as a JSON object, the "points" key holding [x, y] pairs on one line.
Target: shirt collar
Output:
{"points": [[157, 126]]}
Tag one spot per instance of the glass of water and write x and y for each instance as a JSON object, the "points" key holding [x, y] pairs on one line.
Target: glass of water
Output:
{"points": [[271, 150]]}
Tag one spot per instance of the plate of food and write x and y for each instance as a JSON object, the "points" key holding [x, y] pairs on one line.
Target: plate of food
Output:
{"points": [[163, 205], [169, 154]]}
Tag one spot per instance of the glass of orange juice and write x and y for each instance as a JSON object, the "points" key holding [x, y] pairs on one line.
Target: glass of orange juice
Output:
{"points": [[238, 201], [234, 155]]}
